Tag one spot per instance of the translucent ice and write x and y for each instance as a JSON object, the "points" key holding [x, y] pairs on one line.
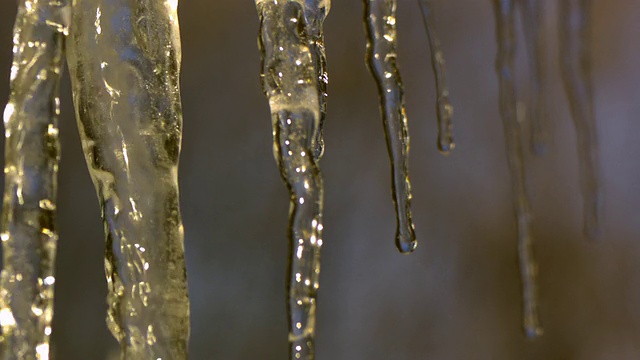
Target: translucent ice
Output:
{"points": [[380, 25], [124, 60], [444, 107], [574, 30], [291, 64], [32, 152], [504, 12]]}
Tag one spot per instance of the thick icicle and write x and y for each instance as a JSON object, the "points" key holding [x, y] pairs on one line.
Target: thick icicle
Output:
{"points": [[28, 231], [444, 107], [574, 29], [504, 11], [380, 24], [291, 83], [532, 12], [315, 12], [124, 60]]}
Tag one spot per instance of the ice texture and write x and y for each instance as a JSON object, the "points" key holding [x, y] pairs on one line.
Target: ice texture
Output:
{"points": [[380, 25], [291, 65], [124, 61], [28, 230], [505, 28]]}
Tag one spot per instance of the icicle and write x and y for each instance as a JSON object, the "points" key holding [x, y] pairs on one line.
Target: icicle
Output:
{"points": [[532, 12], [380, 24], [124, 60], [504, 10], [315, 12], [574, 29], [28, 231], [291, 83], [444, 107]]}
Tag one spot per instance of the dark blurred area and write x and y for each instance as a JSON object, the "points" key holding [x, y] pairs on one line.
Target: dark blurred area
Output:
{"points": [[458, 296]]}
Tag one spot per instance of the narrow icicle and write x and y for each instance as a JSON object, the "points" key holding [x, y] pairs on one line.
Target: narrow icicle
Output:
{"points": [[504, 12], [380, 24], [444, 107], [124, 59], [574, 29], [32, 152], [315, 12], [291, 83], [532, 12]]}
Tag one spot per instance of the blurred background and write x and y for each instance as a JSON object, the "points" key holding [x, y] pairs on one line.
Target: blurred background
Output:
{"points": [[458, 296]]}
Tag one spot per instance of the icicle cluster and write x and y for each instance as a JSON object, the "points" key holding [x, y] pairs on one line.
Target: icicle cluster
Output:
{"points": [[294, 81], [574, 26], [124, 60], [380, 24]]}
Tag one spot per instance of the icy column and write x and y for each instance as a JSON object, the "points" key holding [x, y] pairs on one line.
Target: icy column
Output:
{"points": [[444, 107], [28, 232], [124, 60], [315, 12], [533, 25], [504, 11], [380, 24], [574, 29], [291, 83]]}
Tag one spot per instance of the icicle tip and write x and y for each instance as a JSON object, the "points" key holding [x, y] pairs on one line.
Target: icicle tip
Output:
{"points": [[406, 242], [533, 332], [445, 131]]}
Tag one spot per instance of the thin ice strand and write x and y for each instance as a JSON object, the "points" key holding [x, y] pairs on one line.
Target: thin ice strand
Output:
{"points": [[32, 152], [291, 83], [443, 105], [574, 30], [532, 12], [380, 25], [504, 12], [316, 12]]}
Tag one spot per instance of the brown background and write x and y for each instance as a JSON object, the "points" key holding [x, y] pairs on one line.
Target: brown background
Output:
{"points": [[457, 297]]}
